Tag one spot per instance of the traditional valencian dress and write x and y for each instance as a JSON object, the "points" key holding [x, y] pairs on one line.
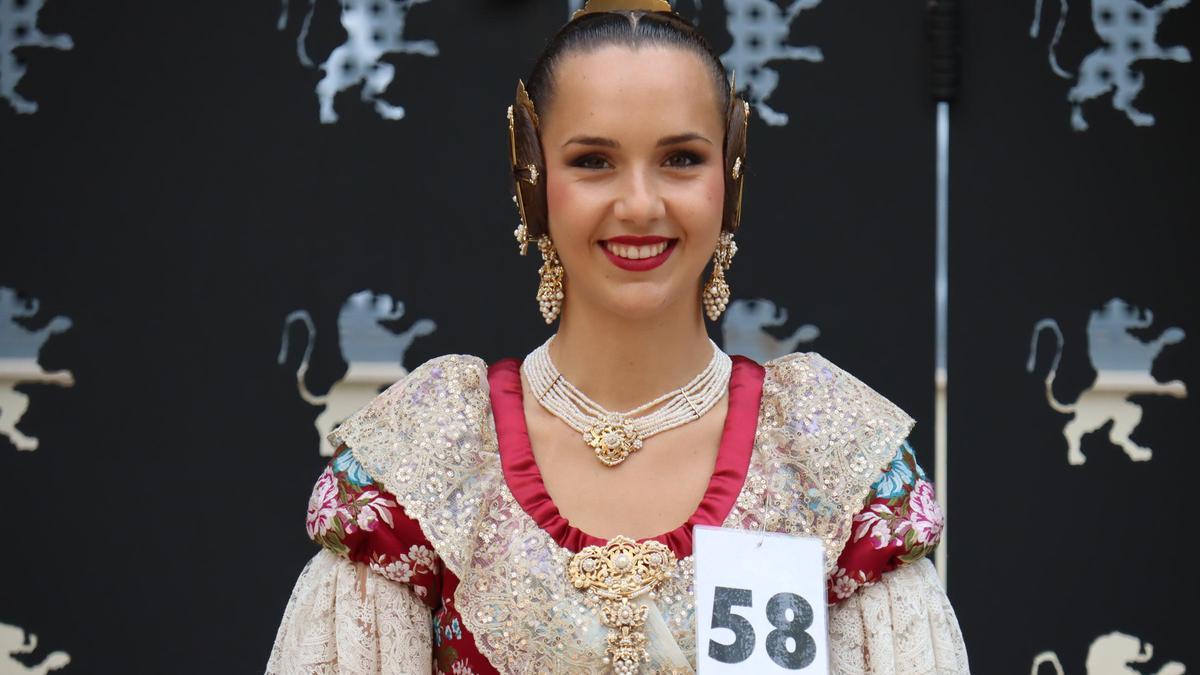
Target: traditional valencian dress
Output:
{"points": [[443, 552]]}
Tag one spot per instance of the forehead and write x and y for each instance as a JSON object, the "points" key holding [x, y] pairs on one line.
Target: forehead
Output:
{"points": [[617, 90]]}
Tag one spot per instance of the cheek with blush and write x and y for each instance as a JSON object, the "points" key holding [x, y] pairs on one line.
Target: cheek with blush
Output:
{"points": [[558, 199], [714, 203]]}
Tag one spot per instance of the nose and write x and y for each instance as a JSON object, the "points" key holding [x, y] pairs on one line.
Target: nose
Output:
{"points": [[640, 202]]}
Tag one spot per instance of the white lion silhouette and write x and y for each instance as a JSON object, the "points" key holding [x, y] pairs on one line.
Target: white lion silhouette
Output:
{"points": [[13, 641], [374, 28], [1129, 30], [743, 330], [1122, 364], [18, 29], [1112, 654], [760, 31], [374, 355], [19, 348]]}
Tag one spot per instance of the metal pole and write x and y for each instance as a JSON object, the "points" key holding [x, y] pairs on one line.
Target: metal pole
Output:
{"points": [[943, 37], [941, 292]]}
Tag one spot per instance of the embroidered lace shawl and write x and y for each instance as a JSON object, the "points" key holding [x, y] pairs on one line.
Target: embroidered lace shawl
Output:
{"points": [[429, 442]]}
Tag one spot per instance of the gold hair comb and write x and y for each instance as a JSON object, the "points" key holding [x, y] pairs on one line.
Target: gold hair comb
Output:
{"points": [[593, 6]]}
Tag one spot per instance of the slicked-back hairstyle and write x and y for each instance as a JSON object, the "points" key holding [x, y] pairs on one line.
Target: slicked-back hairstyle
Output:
{"points": [[633, 29]]}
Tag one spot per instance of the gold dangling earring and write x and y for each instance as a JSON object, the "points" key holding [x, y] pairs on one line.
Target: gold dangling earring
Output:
{"points": [[716, 291], [550, 290]]}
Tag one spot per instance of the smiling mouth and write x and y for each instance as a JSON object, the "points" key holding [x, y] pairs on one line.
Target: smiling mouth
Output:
{"points": [[638, 254]]}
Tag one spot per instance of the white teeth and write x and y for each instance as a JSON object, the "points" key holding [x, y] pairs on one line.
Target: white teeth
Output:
{"points": [[635, 252]]}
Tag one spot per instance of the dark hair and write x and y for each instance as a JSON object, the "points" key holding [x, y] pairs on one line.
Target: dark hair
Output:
{"points": [[632, 29]]}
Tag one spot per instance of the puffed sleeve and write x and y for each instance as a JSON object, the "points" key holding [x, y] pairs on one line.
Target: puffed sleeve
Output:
{"points": [[888, 611], [363, 603]]}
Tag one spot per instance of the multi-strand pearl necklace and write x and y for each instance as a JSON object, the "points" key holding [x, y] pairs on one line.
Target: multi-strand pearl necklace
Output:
{"points": [[614, 436]]}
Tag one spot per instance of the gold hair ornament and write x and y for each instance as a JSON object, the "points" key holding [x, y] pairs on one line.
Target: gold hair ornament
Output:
{"points": [[594, 6], [527, 173]]}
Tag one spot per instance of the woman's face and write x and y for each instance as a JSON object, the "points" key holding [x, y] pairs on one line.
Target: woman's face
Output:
{"points": [[635, 184]]}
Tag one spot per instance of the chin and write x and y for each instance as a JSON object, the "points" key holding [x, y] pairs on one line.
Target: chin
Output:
{"points": [[642, 302]]}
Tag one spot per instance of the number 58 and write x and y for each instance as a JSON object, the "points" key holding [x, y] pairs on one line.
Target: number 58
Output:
{"points": [[777, 609]]}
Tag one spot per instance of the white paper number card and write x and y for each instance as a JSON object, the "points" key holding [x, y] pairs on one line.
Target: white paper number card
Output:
{"points": [[760, 602]]}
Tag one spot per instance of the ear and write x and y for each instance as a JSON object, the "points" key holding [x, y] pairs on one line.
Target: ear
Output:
{"points": [[738, 118], [528, 164]]}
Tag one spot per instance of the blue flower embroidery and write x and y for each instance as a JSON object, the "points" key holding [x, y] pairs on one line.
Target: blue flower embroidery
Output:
{"points": [[347, 465], [897, 480]]}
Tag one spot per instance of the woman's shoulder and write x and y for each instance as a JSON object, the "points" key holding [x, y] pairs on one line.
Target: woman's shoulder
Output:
{"points": [[456, 368], [451, 384], [813, 369], [806, 386]]}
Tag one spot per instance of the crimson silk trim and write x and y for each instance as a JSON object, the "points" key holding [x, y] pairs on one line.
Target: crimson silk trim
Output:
{"points": [[524, 479]]}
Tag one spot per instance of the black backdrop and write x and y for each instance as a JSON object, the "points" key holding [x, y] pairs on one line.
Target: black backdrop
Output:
{"points": [[1055, 223], [177, 197]]}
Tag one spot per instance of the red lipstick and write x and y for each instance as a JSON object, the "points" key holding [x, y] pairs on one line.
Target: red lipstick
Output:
{"points": [[643, 264]]}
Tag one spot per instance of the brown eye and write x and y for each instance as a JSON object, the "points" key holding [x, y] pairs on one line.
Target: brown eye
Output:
{"points": [[591, 162], [682, 160]]}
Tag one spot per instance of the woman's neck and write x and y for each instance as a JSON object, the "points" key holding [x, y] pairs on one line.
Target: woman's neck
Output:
{"points": [[622, 363]]}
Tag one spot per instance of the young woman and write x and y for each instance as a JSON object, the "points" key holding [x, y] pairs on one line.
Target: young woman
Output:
{"points": [[488, 500]]}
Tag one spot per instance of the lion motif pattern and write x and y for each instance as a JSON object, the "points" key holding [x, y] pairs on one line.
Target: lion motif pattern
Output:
{"points": [[1129, 31], [743, 330], [1122, 363], [1111, 654], [18, 29], [373, 353], [13, 641], [760, 30], [374, 29], [19, 349]]}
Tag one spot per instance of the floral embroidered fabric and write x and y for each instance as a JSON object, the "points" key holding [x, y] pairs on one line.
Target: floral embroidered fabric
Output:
{"points": [[817, 453]]}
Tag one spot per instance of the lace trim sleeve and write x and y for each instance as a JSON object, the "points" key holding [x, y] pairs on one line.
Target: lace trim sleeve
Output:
{"points": [[899, 524], [353, 517], [344, 620], [903, 625]]}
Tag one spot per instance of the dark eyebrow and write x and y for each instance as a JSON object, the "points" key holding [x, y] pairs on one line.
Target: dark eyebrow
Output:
{"points": [[610, 143], [593, 140], [681, 138]]}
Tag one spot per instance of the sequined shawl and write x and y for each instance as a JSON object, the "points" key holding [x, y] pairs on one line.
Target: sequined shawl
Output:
{"points": [[822, 438]]}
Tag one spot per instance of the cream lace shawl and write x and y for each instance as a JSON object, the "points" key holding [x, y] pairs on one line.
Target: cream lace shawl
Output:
{"points": [[822, 439]]}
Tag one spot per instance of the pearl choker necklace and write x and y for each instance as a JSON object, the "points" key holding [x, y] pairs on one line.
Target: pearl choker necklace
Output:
{"points": [[614, 436]]}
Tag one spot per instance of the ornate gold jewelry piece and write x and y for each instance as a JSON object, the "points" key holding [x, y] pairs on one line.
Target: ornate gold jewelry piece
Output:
{"points": [[550, 289], [737, 168], [613, 439], [522, 173], [593, 6], [614, 574], [614, 436], [716, 291]]}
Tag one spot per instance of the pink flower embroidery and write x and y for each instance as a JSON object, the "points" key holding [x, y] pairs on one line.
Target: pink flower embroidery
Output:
{"points": [[422, 557], [874, 522], [419, 560], [925, 516], [397, 570], [844, 586], [372, 507], [322, 505]]}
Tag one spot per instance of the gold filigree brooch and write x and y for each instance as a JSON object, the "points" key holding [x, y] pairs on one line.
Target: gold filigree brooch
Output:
{"points": [[615, 574]]}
